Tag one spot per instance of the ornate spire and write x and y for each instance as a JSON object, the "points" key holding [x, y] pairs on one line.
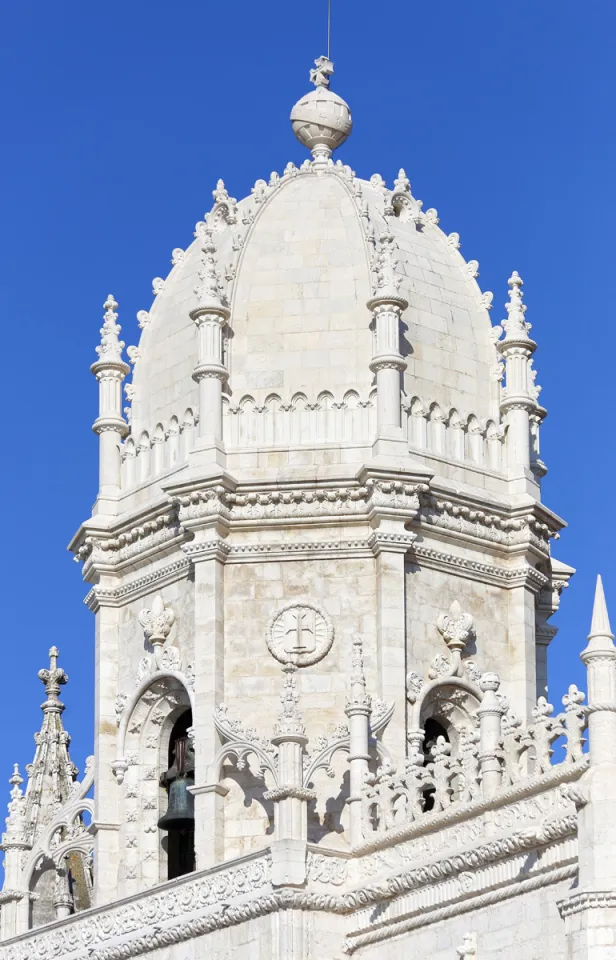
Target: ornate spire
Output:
{"points": [[600, 636], [52, 773], [111, 347], [209, 291], [515, 326]]}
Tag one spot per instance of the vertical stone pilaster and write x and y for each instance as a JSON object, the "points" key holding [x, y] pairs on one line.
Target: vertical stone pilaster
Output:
{"points": [[107, 795], [390, 544], [522, 674], [208, 558]]}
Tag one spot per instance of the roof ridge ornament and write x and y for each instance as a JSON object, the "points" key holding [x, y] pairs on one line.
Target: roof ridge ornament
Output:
{"points": [[321, 120]]}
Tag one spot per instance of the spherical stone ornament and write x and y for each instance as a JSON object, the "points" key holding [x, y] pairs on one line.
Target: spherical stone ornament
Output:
{"points": [[321, 120], [299, 633]]}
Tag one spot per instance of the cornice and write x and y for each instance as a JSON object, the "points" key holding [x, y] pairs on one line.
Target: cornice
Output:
{"points": [[587, 900], [500, 576], [139, 587]]}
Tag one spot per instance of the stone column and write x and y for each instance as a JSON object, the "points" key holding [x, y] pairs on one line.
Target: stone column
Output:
{"points": [[110, 370], [107, 795], [290, 797], [518, 402], [490, 714], [387, 362], [210, 317], [358, 709], [590, 913]]}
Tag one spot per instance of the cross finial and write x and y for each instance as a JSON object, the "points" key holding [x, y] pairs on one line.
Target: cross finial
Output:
{"points": [[53, 678], [323, 69]]}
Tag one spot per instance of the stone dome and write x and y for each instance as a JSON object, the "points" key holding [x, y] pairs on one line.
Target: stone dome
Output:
{"points": [[295, 260]]}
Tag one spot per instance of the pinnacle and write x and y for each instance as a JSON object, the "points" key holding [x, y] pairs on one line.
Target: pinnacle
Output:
{"points": [[600, 626]]}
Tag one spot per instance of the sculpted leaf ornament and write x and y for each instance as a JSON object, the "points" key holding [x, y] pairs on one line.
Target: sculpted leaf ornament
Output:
{"points": [[157, 623]]}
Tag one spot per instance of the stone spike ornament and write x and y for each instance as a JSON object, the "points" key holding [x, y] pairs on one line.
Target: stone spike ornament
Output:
{"points": [[516, 327], [209, 291], [321, 120], [111, 347], [600, 628]]}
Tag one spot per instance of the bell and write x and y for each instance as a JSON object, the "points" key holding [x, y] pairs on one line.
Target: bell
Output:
{"points": [[180, 813]]}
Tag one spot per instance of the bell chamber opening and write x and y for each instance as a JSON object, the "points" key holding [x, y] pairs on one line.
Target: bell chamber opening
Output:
{"points": [[179, 820]]}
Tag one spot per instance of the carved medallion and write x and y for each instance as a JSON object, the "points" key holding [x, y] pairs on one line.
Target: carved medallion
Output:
{"points": [[299, 633]]}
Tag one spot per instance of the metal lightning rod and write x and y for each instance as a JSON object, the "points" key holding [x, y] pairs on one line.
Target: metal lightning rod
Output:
{"points": [[329, 28]]}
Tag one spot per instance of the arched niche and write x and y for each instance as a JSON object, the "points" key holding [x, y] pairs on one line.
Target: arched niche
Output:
{"points": [[143, 749]]}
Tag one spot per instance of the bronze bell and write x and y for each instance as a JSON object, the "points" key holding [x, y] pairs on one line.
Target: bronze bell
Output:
{"points": [[180, 813]]}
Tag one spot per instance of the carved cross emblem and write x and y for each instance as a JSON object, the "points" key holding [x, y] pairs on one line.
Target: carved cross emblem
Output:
{"points": [[299, 629]]}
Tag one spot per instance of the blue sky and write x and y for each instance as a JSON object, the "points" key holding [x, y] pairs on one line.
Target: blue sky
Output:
{"points": [[117, 120]]}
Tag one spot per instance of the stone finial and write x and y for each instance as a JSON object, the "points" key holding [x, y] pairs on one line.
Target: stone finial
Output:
{"points": [[600, 625], [16, 824], [402, 184], [387, 281], [515, 326], [53, 678], [209, 291], [468, 948], [456, 627], [358, 697], [110, 348], [157, 621], [289, 722], [600, 638], [323, 69], [220, 193], [321, 120]]}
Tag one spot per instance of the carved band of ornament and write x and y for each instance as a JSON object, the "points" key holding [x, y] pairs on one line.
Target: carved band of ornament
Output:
{"points": [[293, 792], [112, 597], [602, 707], [506, 524], [517, 403], [383, 542], [110, 425], [211, 371], [475, 570], [111, 370], [425, 917], [208, 549], [591, 900], [388, 363]]}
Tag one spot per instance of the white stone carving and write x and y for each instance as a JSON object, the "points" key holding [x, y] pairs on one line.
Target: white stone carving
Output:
{"points": [[300, 634]]}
